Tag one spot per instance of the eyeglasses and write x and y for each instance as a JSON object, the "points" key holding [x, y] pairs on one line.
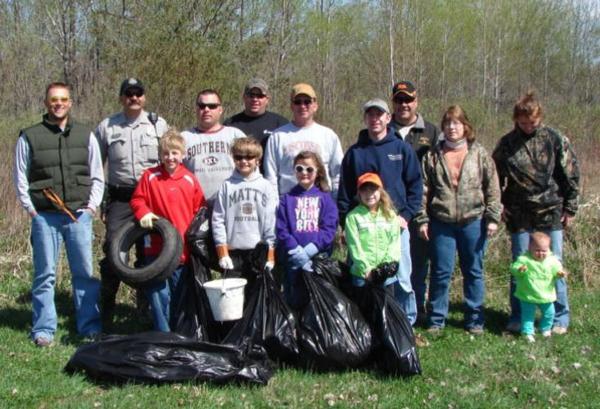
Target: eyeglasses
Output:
{"points": [[242, 157], [302, 169], [133, 93], [402, 100], [54, 100], [255, 95], [211, 106], [305, 102]]}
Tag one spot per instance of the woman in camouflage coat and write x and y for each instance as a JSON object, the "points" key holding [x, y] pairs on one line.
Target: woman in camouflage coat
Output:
{"points": [[460, 209], [539, 176]]}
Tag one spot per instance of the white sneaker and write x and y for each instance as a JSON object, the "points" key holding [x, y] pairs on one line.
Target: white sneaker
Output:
{"points": [[547, 334], [530, 338]]}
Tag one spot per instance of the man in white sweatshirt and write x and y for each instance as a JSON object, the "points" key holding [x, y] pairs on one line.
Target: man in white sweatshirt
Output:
{"points": [[208, 144], [303, 133]]}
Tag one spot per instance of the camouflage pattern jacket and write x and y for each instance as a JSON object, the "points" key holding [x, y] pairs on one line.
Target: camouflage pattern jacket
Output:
{"points": [[539, 176], [477, 194]]}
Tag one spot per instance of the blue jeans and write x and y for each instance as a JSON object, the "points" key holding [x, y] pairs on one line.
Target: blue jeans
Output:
{"points": [[419, 255], [528, 317], [163, 298], [470, 240], [48, 231], [520, 244]]}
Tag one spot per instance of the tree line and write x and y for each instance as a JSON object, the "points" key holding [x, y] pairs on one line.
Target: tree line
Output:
{"points": [[484, 51]]}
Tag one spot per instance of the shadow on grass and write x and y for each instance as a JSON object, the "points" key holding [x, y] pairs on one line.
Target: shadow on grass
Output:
{"points": [[129, 319], [495, 320]]}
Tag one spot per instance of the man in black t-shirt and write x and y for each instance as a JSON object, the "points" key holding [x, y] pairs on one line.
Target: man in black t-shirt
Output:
{"points": [[255, 120]]}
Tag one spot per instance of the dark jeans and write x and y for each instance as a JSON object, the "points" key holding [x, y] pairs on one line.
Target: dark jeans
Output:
{"points": [[117, 213], [420, 258]]}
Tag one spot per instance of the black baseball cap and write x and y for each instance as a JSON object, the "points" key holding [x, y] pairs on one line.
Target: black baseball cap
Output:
{"points": [[404, 87], [131, 83]]}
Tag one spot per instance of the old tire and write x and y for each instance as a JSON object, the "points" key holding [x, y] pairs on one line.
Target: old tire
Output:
{"points": [[159, 269]]}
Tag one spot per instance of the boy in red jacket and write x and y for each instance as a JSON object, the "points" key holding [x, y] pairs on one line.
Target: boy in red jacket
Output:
{"points": [[172, 192]]}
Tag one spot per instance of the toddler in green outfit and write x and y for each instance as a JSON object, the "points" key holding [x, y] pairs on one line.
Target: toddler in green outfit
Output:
{"points": [[535, 272]]}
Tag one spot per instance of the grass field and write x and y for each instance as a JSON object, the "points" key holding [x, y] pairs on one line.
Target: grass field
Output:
{"points": [[496, 370]]}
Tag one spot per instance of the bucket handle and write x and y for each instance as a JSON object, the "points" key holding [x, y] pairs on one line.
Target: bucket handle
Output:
{"points": [[223, 289]]}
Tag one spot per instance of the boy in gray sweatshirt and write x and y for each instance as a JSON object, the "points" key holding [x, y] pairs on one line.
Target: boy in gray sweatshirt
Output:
{"points": [[244, 213]]}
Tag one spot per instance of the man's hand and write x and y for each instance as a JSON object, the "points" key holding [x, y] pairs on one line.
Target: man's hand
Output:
{"points": [[491, 229], [146, 220], [424, 231]]}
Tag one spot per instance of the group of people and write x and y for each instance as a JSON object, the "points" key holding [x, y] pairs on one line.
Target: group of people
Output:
{"points": [[404, 193]]}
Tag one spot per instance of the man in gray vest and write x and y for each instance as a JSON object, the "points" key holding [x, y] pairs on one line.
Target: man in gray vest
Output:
{"points": [[129, 145], [59, 181]]}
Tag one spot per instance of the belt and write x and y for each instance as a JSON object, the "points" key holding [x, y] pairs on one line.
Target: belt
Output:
{"points": [[120, 193]]}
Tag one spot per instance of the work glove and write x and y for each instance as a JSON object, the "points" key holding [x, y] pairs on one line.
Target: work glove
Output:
{"points": [[297, 257], [269, 266], [226, 263], [311, 250], [308, 266], [146, 220]]}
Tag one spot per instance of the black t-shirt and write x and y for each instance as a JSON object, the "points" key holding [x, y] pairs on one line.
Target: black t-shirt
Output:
{"points": [[259, 127]]}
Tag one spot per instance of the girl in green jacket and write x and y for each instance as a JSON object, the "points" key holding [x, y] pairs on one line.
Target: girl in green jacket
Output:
{"points": [[372, 230]]}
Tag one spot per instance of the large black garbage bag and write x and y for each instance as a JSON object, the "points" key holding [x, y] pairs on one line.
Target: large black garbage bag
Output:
{"points": [[328, 268], [333, 333], [200, 240], [192, 315], [394, 349], [157, 357], [267, 321]]}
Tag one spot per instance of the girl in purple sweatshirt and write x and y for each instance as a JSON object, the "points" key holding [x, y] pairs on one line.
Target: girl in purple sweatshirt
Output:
{"points": [[306, 223]]}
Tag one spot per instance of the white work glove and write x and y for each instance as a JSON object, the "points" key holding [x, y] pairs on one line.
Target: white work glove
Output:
{"points": [[269, 266], [226, 263], [146, 220]]}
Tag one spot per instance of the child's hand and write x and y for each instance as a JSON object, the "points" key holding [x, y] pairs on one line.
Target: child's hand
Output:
{"points": [[522, 268], [147, 219], [562, 273]]}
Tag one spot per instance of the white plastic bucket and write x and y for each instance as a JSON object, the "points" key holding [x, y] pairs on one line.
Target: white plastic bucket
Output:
{"points": [[226, 298]]}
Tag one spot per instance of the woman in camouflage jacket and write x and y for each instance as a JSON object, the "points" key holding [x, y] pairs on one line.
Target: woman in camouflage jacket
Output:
{"points": [[460, 209], [539, 176]]}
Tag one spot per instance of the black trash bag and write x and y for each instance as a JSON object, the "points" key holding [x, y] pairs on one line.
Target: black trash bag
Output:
{"points": [[267, 321], [199, 238], [163, 357], [332, 331], [192, 315], [394, 349], [383, 271], [328, 268]]}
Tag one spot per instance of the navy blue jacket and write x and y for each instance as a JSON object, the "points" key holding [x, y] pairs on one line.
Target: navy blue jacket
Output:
{"points": [[396, 164]]}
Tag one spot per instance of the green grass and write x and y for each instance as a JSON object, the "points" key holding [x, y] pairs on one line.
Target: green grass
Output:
{"points": [[495, 370]]}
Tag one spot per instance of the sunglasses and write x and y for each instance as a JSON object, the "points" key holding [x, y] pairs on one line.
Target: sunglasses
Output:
{"points": [[54, 100], [133, 93], [302, 169], [403, 100], [305, 102], [255, 95], [242, 157], [210, 106]]}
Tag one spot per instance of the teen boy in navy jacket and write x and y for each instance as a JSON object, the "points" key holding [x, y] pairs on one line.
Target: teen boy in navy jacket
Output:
{"points": [[380, 151]]}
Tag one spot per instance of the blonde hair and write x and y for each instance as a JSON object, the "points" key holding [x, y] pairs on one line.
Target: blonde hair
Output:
{"points": [[455, 112], [171, 139], [528, 106], [538, 237], [247, 146], [385, 202], [321, 180]]}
